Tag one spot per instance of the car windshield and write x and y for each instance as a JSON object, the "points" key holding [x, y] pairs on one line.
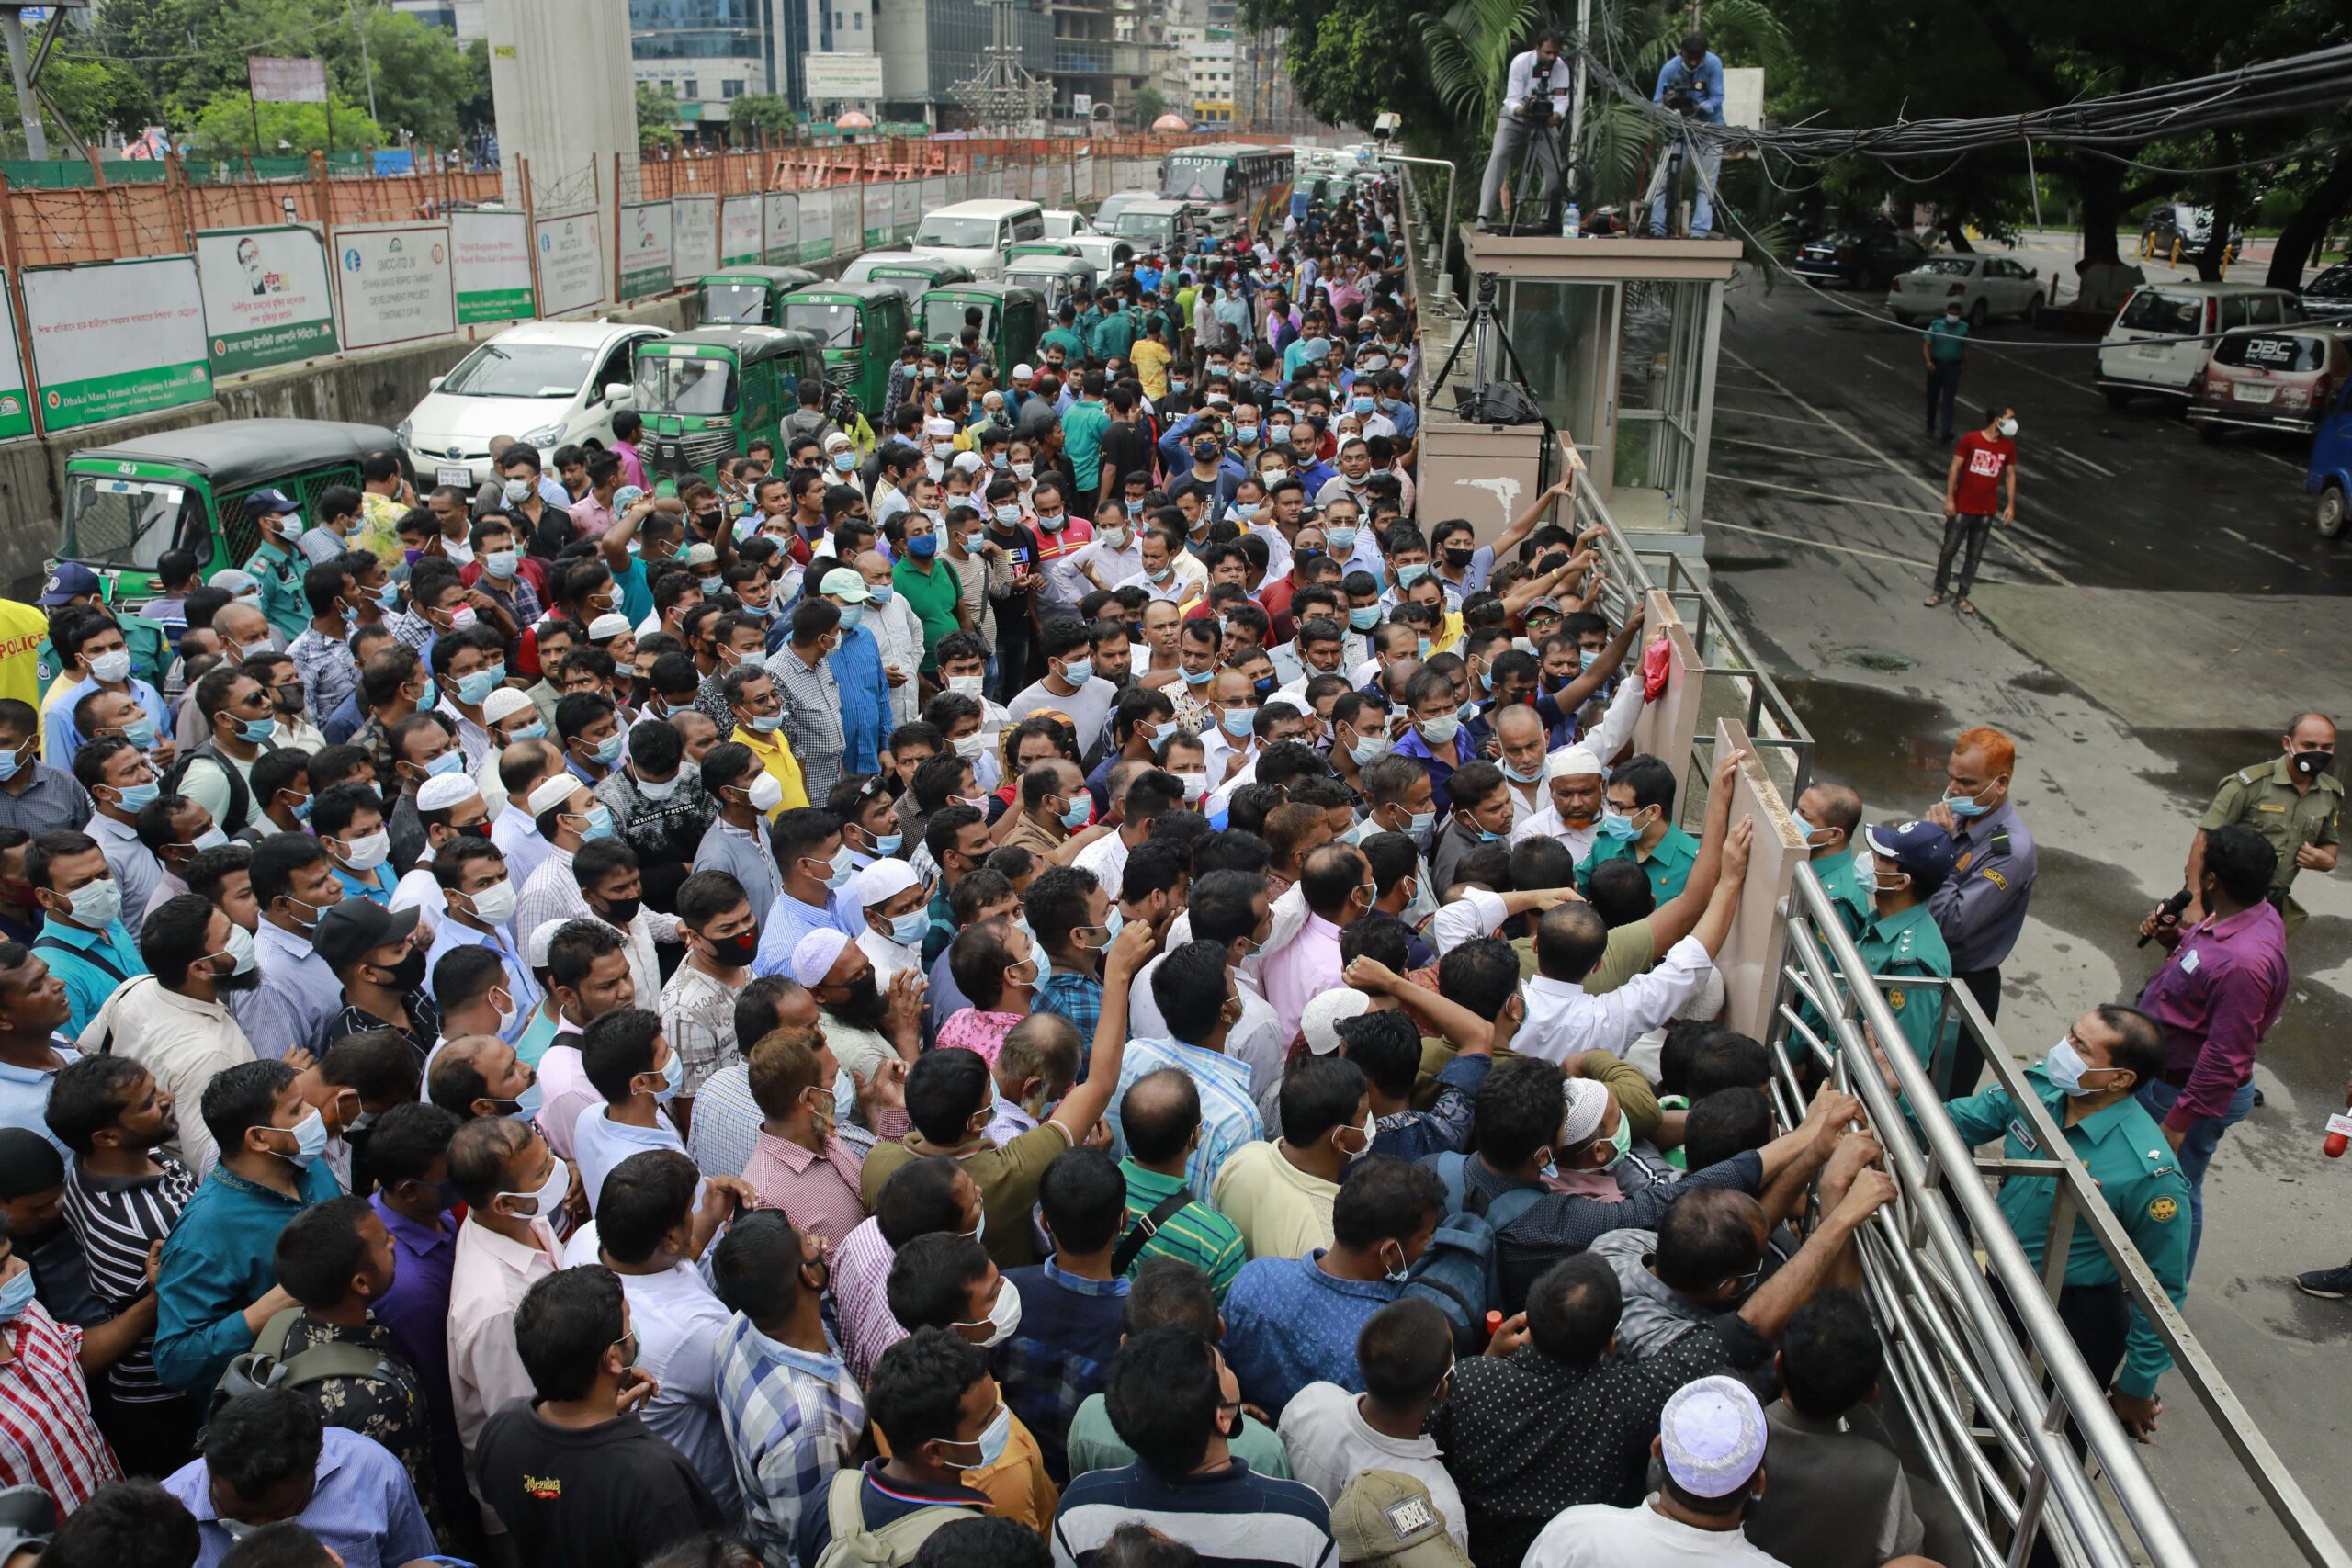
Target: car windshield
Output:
{"points": [[520, 370], [1110, 208], [1145, 226], [117, 522], [2272, 351], [2336, 283], [943, 320], [1949, 267], [959, 233], [736, 304], [2154, 311], [1202, 180], [835, 325], [680, 384]]}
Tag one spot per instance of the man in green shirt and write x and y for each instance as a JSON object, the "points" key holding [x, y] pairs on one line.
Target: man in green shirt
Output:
{"points": [[1114, 327], [1638, 825], [1160, 1113], [1829, 815], [931, 590], [1064, 334], [1944, 350], [2292, 801], [2089, 1084], [1909, 861], [1082, 428]]}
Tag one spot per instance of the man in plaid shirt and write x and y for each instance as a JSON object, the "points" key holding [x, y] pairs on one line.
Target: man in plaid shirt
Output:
{"points": [[1070, 911], [791, 1411]]}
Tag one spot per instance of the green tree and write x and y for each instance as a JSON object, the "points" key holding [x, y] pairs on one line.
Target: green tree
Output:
{"points": [[92, 96], [657, 114], [752, 113], [1144, 106], [224, 127]]}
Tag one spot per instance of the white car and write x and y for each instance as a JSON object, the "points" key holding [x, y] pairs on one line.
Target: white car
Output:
{"points": [[2162, 337], [1106, 214], [547, 384], [1984, 286]]}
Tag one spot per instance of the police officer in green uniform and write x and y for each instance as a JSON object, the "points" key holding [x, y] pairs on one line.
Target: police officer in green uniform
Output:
{"points": [[2088, 1083], [1908, 861], [280, 563], [2291, 800], [1829, 815]]}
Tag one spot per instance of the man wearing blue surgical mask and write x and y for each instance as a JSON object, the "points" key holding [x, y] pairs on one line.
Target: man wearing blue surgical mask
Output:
{"points": [[2087, 1085], [214, 773], [1982, 909], [632, 1065], [1638, 825]]}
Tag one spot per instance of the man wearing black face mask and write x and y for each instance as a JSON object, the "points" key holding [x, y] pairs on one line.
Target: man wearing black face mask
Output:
{"points": [[374, 954], [2293, 800]]}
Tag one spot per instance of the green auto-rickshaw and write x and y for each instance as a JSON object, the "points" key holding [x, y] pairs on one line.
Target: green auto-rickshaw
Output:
{"points": [[860, 326], [707, 394], [1011, 318], [128, 502], [1014, 253], [750, 296], [912, 273]]}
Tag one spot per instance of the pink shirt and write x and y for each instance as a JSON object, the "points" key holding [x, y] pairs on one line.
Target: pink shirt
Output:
{"points": [[591, 516], [861, 1268], [974, 1029], [632, 465], [565, 1090], [1308, 967], [817, 1192]]}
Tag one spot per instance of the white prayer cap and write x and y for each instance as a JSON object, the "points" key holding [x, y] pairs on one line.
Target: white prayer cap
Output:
{"points": [[606, 627], [884, 879], [1712, 1433], [812, 960], [1320, 1023], [1587, 1107], [503, 703], [554, 791], [1576, 762], [537, 953], [445, 790]]}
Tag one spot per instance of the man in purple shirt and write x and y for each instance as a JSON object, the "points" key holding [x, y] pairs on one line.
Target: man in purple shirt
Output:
{"points": [[627, 423], [408, 1150], [2216, 1000]]}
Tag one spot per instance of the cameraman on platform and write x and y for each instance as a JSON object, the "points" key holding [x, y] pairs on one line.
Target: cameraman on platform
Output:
{"points": [[1691, 84], [1535, 101]]}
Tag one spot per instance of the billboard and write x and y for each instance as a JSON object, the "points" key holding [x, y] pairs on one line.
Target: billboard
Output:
{"points": [[816, 227], [694, 237], [741, 232], [491, 252], [571, 259], [116, 338], [265, 297], [832, 77], [781, 244], [394, 283], [286, 81], [645, 250], [848, 207], [878, 215], [15, 404]]}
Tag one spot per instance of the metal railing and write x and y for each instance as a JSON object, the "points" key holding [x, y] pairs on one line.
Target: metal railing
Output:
{"points": [[1986, 1371]]}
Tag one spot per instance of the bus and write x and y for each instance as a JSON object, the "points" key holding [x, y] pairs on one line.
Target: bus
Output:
{"points": [[1231, 184]]}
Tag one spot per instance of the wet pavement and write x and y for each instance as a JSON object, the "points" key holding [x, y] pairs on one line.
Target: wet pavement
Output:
{"points": [[1823, 519]]}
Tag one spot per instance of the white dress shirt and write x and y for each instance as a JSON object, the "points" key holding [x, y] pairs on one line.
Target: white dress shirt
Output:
{"points": [[487, 1277], [1564, 1020], [681, 1332], [181, 1041]]}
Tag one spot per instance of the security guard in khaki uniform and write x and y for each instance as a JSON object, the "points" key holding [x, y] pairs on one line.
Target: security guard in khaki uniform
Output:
{"points": [[2292, 801], [2088, 1083]]}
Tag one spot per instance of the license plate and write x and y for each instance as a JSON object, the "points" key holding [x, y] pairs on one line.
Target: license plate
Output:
{"points": [[453, 474], [2151, 350], [2247, 393]]}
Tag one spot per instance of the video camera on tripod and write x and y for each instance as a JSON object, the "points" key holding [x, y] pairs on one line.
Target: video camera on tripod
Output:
{"points": [[1682, 97]]}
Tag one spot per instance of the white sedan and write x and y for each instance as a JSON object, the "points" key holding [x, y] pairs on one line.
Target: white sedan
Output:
{"points": [[1984, 286]]}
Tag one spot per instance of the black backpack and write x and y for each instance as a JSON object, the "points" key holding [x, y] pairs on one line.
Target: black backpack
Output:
{"points": [[241, 796]]}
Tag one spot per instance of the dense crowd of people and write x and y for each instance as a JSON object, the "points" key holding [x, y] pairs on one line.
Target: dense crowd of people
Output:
{"points": [[1075, 986]]}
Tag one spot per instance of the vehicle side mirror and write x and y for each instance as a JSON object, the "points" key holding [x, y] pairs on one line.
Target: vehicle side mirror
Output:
{"points": [[618, 394], [434, 384]]}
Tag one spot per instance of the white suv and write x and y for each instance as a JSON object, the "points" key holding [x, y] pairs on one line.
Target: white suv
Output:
{"points": [[544, 383], [2163, 335]]}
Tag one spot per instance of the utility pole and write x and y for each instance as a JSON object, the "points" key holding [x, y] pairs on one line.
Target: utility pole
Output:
{"points": [[368, 70], [12, 29], [1576, 98]]}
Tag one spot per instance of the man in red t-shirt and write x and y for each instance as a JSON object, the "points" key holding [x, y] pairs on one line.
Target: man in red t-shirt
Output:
{"points": [[1982, 462]]}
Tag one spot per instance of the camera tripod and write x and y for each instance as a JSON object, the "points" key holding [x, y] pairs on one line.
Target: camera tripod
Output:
{"points": [[1491, 401], [1531, 213]]}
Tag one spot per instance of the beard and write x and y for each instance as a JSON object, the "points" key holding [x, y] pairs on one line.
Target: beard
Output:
{"points": [[861, 1008], [245, 982]]}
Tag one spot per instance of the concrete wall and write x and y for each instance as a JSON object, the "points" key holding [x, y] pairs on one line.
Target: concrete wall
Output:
{"points": [[378, 388]]}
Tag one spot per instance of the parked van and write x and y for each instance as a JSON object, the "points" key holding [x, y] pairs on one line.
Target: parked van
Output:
{"points": [[2274, 380], [2162, 337], [974, 233]]}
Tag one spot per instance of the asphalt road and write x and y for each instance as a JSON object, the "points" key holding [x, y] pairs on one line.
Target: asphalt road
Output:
{"points": [[1823, 519]]}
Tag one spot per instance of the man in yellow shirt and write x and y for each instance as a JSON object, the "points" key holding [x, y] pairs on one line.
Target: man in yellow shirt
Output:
{"points": [[24, 633], [761, 702], [1280, 1194], [1151, 357]]}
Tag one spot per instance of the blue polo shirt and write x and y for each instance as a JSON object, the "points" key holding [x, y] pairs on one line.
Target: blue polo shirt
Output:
{"points": [[220, 1261], [376, 886], [92, 963], [1289, 1323]]}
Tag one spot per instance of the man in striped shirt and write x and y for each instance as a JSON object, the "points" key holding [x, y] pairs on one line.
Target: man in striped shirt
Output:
{"points": [[1160, 1113], [46, 1438], [123, 1195]]}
